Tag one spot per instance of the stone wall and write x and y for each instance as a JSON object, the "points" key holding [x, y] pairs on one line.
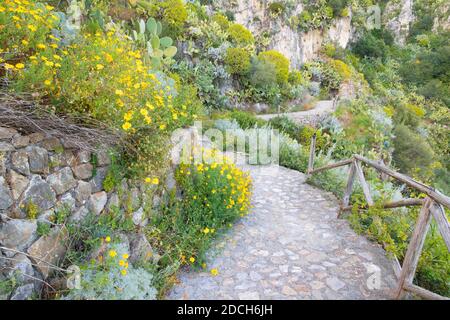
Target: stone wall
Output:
{"points": [[41, 177]]}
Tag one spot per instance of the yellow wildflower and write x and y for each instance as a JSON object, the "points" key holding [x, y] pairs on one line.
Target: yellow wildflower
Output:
{"points": [[20, 66], [123, 272], [99, 67], [125, 256], [144, 112], [121, 263], [41, 46], [126, 126], [112, 253], [214, 272], [206, 230], [192, 259], [108, 239]]}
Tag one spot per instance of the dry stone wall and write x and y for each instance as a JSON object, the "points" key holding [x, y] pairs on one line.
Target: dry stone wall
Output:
{"points": [[42, 176]]}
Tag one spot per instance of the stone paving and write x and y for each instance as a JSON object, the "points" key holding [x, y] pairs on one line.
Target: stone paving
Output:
{"points": [[291, 246]]}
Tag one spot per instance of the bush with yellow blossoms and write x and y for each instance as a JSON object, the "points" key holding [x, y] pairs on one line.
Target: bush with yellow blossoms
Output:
{"points": [[215, 194], [113, 277], [98, 75]]}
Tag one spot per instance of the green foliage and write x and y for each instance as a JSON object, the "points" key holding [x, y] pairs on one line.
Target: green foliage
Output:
{"points": [[240, 35], [306, 135], [276, 8], [287, 126], [32, 210], [246, 120], [172, 13], [411, 151], [237, 61], [295, 78], [147, 36], [43, 229], [262, 74], [280, 62], [370, 45], [393, 230], [221, 20], [214, 196]]}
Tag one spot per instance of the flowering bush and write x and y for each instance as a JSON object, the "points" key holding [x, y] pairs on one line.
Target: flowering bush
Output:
{"points": [[112, 277]]}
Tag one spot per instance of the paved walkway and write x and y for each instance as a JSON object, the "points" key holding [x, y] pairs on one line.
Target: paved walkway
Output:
{"points": [[291, 246], [312, 116]]}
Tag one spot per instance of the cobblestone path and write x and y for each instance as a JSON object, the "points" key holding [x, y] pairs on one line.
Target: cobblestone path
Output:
{"points": [[291, 246]]}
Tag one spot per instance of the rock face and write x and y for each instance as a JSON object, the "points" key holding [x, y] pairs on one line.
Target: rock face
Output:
{"points": [[39, 193], [49, 250], [398, 16], [62, 180], [18, 234], [5, 195], [299, 47]]}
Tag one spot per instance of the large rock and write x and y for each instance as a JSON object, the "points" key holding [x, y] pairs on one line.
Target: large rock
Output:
{"points": [[103, 158], [24, 292], [38, 159], [18, 234], [113, 202], [83, 156], [18, 183], [139, 218], [134, 199], [19, 162], [7, 133], [83, 192], [51, 144], [67, 201], [79, 215], [62, 180], [20, 141], [141, 250], [19, 267], [83, 171], [49, 250], [97, 202], [39, 193], [6, 200], [6, 147], [97, 180]]}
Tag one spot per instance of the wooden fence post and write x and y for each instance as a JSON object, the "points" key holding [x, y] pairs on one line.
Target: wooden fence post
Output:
{"points": [[414, 248], [349, 188], [364, 184], [312, 153]]}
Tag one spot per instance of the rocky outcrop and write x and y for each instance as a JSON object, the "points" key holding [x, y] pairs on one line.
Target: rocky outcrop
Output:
{"points": [[397, 18], [299, 47]]}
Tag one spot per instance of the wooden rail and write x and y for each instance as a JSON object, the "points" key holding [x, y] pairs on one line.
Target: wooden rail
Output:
{"points": [[432, 207]]}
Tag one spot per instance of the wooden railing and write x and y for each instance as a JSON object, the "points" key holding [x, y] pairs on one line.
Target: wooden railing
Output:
{"points": [[432, 206]]}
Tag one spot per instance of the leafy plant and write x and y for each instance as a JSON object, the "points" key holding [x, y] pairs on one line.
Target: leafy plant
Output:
{"points": [[280, 62], [237, 61], [160, 50]]}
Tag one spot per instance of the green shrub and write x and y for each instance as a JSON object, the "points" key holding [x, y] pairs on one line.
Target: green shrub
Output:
{"points": [[215, 195], [262, 74], [237, 61], [306, 134], [280, 62], [411, 151], [287, 126], [246, 119], [276, 8], [221, 20], [172, 13], [240, 35], [342, 69], [295, 78]]}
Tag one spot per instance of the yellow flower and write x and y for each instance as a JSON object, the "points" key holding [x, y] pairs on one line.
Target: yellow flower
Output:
{"points": [[24, 42], [123, 272], [126, 126], [41, 46], [108, 239], [33, 29], [20, 66], [100, 67], [144, 112], [121, 263], [162, 126], [148, 180], [206, 230], [214, 272], [47, 82], [125, 256], [192, 259], [229, 177], [150, 106], [119, 92], [108, 57], [112, 253]]}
